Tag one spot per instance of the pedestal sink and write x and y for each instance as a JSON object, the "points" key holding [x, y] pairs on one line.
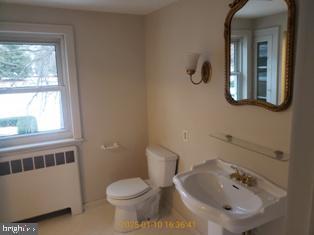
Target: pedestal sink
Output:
{"points": [[230, 206]]}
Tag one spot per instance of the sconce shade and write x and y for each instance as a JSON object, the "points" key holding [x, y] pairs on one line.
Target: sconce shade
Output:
{"points": [[191, 61], [191, 65]]}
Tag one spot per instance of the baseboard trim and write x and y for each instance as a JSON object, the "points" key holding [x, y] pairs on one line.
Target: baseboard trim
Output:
{"points": [[96, 203]]}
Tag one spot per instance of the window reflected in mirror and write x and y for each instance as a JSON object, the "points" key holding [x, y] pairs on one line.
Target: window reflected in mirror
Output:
{"points": [[257, 40]]}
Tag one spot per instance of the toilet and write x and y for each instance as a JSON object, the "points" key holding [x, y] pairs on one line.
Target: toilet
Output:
{"points": [[137, 200]]}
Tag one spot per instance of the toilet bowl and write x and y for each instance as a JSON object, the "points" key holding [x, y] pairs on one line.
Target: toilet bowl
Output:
{"points": [[137, 200]]}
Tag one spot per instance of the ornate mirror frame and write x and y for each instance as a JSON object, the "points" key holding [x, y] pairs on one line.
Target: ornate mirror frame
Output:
{"points": [[289, 67]]}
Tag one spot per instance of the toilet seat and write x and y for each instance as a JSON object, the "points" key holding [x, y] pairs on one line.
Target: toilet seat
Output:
{"points": [[127, 189]]}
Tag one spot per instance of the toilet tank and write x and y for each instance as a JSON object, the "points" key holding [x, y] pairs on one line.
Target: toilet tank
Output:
{"points": [[161, 165]]}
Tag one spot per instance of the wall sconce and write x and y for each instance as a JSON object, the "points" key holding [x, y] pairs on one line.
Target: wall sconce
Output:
{"points": [[191, 65]]}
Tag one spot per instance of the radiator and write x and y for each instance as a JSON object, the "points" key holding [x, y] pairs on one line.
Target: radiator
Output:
{"points": [[38, 183]]}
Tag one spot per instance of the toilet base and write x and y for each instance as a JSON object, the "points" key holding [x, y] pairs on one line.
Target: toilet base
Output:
{"points": [[129, 218], [124, 219]]}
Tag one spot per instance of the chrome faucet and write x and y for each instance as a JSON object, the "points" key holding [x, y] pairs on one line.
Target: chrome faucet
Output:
{"points": [[243, 177]]}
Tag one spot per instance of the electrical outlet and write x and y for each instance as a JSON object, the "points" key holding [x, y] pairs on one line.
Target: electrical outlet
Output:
{"points": [[185, 136]]}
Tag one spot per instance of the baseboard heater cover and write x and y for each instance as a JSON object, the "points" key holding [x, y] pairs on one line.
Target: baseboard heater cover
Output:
{"points": [[38, 183]]}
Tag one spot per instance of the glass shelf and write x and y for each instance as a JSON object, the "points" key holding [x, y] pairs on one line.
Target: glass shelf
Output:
{"points": [[268, 152]]}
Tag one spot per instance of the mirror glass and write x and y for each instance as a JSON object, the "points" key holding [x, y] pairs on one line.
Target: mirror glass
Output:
{"points": [[258, 47]]}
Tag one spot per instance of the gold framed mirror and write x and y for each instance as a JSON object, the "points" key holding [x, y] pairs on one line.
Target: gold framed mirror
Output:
{"points": [[259, 50]]}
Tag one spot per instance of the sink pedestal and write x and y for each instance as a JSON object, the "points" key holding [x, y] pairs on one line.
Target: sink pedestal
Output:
{"points": [[216, 229]]}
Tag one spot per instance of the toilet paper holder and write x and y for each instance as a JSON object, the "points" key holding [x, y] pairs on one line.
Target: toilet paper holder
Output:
{"points": [[114, 145]]}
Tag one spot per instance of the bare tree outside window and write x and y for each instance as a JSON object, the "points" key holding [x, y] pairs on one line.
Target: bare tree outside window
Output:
{"points": [[28, 79]]}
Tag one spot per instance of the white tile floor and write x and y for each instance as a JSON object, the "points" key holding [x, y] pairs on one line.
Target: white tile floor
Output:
{"points": [[98, 220]]}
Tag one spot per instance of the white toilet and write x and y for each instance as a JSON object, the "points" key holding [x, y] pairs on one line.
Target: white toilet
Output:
{"points": [[137, 200]]}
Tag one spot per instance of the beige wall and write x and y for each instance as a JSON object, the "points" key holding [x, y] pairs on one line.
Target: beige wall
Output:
{"points": [[110, 63], [301, 172], [174, 104], [280, 20]]}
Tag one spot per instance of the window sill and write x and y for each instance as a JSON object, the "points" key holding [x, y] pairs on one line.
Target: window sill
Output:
{"points": [[40, 146]]}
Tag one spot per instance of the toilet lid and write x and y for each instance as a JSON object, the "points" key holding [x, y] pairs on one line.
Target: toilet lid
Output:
{"points": [[128, 188]]}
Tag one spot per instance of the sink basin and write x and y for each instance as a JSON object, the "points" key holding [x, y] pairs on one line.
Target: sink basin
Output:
{"points": [[208, 191], [222, 194]]}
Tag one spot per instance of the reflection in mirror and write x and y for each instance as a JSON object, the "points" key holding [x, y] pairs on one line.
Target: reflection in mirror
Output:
{"points": [[258, 52]]}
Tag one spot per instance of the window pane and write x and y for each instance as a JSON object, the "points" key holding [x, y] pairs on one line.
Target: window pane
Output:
{"points": [[232, 57], [27, 65], [263, 49], [262, 57], [234, 86], [262, 54], [235, 56], [26, 113], [261, 91]]}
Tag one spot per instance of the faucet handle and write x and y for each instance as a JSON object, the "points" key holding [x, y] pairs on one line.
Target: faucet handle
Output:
{"points": [[243, 177], [235, 168], [249, 180], [237, 174]]}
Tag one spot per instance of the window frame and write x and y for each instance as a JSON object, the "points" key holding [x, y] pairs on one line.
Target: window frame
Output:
{"points": [[237, 42], [62, 37], [244, 38]]}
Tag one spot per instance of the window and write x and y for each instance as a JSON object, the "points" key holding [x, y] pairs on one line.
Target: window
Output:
{"points": [[240, 64], [31, 89], [38, 88], [236, 68]]}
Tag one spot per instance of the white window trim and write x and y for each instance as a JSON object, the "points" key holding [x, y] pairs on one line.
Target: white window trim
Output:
{"points": [[238, 67], [245, 36], [42, 32]]}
